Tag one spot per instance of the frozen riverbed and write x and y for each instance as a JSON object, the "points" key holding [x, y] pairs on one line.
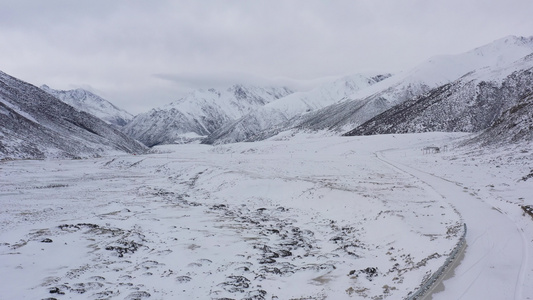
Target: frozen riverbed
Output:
{"points": [[303, 218]]}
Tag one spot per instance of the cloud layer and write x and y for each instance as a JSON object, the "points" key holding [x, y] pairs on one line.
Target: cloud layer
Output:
{"points": [[140, 54]]}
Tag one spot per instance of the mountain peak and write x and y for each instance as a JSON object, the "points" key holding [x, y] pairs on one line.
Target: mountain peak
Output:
{"points": [[276, 115], [508, 46], [89, 102], [517, 40], [200, 112]]}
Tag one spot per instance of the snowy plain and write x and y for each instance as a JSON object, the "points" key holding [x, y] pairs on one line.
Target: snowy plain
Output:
{"points": [[294, 217]]}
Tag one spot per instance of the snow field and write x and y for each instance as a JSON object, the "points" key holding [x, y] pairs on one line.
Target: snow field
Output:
{"points": [[305, 218], [486, 186]]}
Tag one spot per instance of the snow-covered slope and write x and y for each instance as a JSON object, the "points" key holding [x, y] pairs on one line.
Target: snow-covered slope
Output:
{"points": [[199, 113], [34, 124], [269, 119], [93, 104], [431, 74], [469, 104]]}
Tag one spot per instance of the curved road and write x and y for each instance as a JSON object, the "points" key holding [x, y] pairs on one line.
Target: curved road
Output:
{"points": [[495, 259]]}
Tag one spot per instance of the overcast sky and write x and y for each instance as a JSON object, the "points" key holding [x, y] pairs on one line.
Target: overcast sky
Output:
{"points": [[144, 54]]}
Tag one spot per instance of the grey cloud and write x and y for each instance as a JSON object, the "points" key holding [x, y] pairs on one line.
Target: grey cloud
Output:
{"points": [[220, 80], [117, 46]]}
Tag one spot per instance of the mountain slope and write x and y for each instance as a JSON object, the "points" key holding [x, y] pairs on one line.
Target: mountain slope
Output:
{"points": [[470, 104], [269, 119], [95, 105], [515, 125], [431, 74], [34, 124], [354, 109], [199, 113]]}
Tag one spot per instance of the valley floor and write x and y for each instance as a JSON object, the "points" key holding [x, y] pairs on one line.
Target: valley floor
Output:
{"points": [[301, 217]]}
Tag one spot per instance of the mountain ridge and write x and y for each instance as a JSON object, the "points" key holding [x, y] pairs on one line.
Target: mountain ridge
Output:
{"points": [[91, 103], [366, 103], [433, 73], [37, 125], [470, 104], [273, 117], [199, 113]]}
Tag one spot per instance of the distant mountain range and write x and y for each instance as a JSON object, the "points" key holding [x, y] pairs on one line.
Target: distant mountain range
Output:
{"points": [[91, 103], [200, 113], [464, 92], [35, 124], [278, 115], [479, 100], [469, 104], [363, 104], [487, 90]]}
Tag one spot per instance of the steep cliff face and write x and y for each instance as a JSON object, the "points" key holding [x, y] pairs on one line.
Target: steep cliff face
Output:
{"points": [[35, 124], [200, 113]]}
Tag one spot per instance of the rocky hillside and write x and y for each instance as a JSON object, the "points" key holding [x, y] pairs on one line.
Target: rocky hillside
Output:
{"points": [[419, 81], [35, 124], [470, 104], [515, 125]]}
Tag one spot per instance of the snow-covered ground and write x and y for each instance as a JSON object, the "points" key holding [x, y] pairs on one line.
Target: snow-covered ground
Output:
{"points": [[487, 187], [301, 217]]}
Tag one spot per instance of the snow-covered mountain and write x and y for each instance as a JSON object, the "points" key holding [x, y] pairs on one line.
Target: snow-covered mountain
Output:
{"points": [[360, 105], [269, 119], [200, 113], [91, 103], [420, 80], [35, 124], [470, 104]]}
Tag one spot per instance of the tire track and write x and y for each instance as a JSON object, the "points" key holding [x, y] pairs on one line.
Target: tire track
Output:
{"points": [[497, 245]]}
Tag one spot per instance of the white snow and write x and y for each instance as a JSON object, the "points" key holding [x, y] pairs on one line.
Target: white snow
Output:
{"points": [[486, 188], [200, 111], [198, 102], [349, 102], [321, 96], [294, 217], [88, 102], [17, 109]]}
